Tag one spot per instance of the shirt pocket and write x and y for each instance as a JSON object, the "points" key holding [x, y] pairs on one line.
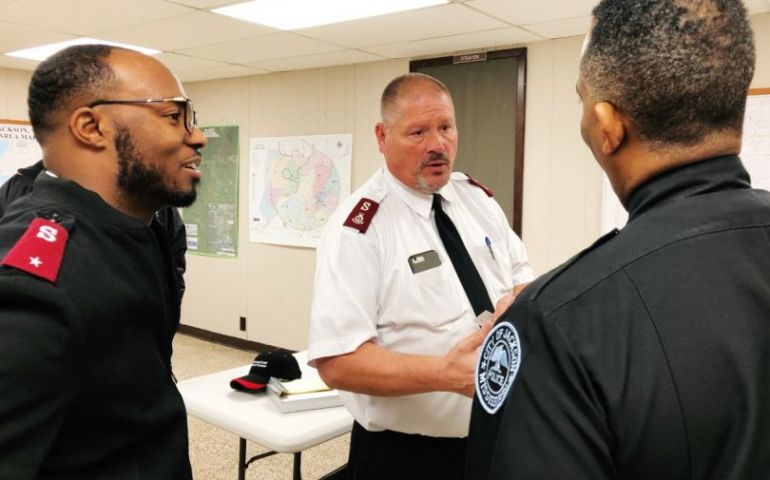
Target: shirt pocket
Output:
{"points": [[492, 261], [440, 294]]}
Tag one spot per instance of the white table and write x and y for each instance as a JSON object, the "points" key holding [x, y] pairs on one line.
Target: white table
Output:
{"points": [[254, 417]]}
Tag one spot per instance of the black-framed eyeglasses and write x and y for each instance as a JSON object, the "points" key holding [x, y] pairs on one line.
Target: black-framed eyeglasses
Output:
{"points": [[190, 117]]}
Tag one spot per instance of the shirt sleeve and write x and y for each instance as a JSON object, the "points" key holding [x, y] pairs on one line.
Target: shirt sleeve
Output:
{"points": [[178, 243], [522, 270], [345, 297], [551, 423], [4, 197], [16, 187], [38, 361]]}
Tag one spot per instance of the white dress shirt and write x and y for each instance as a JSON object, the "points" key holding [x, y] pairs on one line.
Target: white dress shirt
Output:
{"points": [[365, 290]]}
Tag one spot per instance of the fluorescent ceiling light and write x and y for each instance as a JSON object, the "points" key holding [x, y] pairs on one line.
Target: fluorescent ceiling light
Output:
{"points": [[44, 51], [296, 14]]}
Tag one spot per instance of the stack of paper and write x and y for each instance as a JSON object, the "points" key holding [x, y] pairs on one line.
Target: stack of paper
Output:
{"points": [[310, 382], [306, 393]]}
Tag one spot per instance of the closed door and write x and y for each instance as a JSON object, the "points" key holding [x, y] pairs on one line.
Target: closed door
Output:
{"points": [[488, 95]]}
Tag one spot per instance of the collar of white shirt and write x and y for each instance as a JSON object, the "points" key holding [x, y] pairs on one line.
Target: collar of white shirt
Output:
{"points": [[418, 201]]}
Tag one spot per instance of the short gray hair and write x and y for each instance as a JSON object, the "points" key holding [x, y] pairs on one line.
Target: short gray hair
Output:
{"points": [[401, 84], [681, 69]]}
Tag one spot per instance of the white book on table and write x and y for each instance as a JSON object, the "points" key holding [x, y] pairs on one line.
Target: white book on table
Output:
{"points": [[298, 402], [306, 393]]}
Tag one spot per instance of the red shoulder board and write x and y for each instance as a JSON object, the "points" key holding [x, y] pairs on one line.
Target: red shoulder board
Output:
{"points": [[361, 216], [475, 182], [40, 250]]}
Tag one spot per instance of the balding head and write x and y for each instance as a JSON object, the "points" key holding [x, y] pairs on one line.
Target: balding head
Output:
{"points": [[404, 86]]}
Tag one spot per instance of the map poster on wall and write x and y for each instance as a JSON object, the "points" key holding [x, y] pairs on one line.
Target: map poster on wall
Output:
{"points": [[755, 155], [18, 147], [212, 221], [295, 185]]}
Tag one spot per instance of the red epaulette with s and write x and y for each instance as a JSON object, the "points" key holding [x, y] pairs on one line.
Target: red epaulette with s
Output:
{"points": [[40, 250], [361, 216], [475, 182]]}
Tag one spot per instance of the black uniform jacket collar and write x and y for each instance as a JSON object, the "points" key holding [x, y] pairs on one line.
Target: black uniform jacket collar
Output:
{"points": [[714, 174], [594, 263], [71, 197], [32, 171]]}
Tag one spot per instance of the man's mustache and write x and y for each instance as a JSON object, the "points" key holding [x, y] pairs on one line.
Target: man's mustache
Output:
{"points": [[434, 157]]}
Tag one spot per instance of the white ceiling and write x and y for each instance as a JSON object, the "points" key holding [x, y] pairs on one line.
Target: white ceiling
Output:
{"points": [[200, 45]]}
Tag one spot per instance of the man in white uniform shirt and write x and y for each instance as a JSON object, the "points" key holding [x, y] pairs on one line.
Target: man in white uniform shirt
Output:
{"points": [[391, 324]]}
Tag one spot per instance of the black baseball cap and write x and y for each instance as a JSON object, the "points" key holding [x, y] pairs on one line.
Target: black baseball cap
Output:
{"points": [[278, 363]]}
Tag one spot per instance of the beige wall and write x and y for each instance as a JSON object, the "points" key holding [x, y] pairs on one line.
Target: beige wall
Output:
{"points": [[272, 285], [13, 94], [761, 25], [562, 183]]}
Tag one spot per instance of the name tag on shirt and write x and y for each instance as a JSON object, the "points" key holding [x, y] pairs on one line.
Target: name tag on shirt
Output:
{"points": [[424, 261]]}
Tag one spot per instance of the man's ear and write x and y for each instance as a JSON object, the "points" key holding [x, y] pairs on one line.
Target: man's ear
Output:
{"points": [[379, 132], [611, 127], [88, 127]]}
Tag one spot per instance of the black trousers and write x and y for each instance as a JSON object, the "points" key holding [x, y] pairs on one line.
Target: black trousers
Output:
{"points": [[392, 455]]}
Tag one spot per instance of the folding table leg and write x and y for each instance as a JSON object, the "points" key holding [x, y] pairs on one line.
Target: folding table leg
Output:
{"points": [[242, 459], [298, 466]]}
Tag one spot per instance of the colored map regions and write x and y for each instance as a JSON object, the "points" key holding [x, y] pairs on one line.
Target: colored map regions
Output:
{"points": [[296, 184], [212, 221], [303, 188]]}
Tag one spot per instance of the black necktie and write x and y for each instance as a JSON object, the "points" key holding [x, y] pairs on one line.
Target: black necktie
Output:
{"points": [[458, 254]]}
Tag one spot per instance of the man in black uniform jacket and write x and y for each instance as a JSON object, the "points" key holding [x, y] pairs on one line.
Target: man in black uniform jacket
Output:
{"points": [[646, 356], [23, 182], [88, 296]]}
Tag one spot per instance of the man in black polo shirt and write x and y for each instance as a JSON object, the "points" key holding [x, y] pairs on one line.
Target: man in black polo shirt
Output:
{"points": [[646, 355], [88, 296]]}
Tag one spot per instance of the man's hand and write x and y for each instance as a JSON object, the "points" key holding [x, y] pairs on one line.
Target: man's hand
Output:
{"points": [[502, 305], [459, 363], [506, 300]]}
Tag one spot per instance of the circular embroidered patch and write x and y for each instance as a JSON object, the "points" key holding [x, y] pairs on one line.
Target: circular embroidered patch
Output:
{"points": [[497, 366]]}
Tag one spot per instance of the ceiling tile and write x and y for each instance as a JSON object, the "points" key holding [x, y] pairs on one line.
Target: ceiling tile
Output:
{"points": [[523, 12], [262, 48], [561, 28], [17, 63], [185, 31], [206, 3], [83, 17], [202, 45], [217, 73], [448, 45], [180, 63], [343, 57], [16, 37], [405, 26], [757, 6]]}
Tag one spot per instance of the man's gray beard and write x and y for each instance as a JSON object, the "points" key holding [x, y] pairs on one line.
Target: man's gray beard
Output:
{"points": [[423, 187]]}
